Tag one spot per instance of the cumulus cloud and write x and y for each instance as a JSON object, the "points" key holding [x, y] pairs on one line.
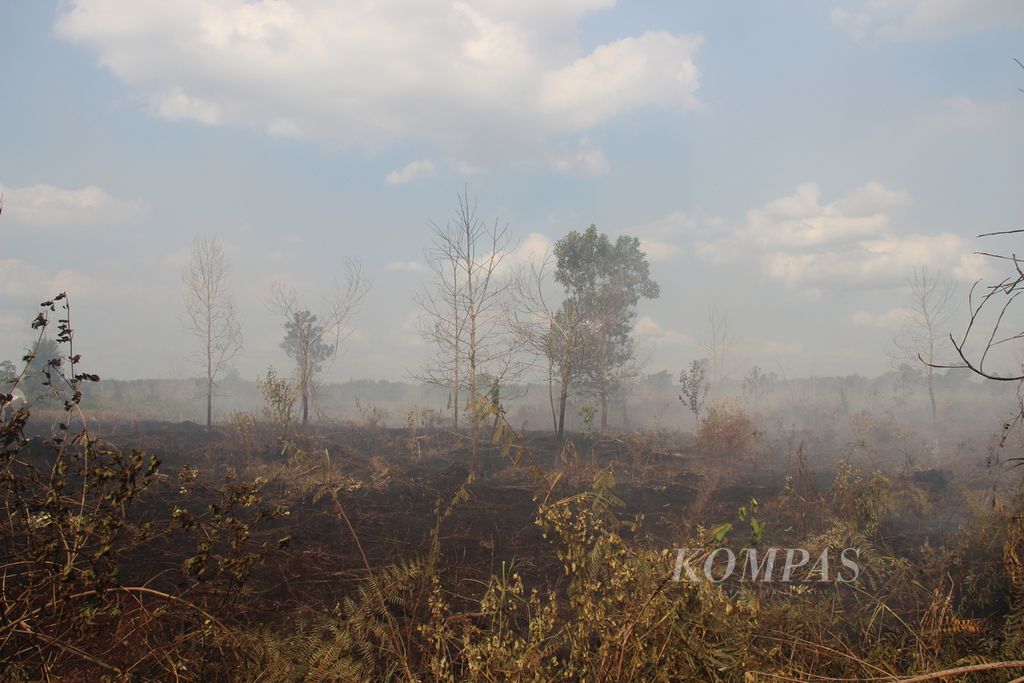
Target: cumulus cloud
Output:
{"points": [[656, 68], [874, 263], [963, 113], [48, 207], [905, 20], [807, 245], [422, 168], [583, 160], [662, 239], [659, 251], [647, 330], [801, 221], [533, 249], [441, 73]]}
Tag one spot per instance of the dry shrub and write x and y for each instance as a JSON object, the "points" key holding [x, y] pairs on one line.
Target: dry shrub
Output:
{"points": [[726, 430], [871, 429]]}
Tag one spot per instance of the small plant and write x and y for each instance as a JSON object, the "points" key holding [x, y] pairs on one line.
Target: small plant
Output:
{"points": [[371, 416], [862, 501], [695, 387], [65, 517], [280, 396], [743, 514], [587, 414]]}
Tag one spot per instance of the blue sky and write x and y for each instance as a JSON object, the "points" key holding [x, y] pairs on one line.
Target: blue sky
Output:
{"points": [[790, 162]]}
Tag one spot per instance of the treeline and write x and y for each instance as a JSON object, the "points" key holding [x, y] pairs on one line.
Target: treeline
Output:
{"points": [[650, 402], [547, 342]]}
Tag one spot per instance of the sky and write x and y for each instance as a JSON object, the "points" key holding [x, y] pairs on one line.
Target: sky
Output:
{"points": [[790, 162]]}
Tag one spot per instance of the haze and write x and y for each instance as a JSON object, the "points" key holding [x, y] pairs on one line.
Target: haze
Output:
{"points": [[790, 163]]}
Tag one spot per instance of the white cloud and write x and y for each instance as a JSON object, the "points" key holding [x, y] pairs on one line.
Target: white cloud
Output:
{"points": [[655, 69], [810, 246], [49, 207], [659, 251], [890, 318], [23, 280], [442, 73], [963, 113], [874, 263], [905, 20], [465, 168], [647, 330], [533, 249], [800, 221], [584, 160], [422, 168], [406, 266], [661, 239], [856, 24]]}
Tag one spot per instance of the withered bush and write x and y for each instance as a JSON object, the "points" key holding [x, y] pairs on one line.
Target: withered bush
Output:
{"points": [[726, 431]]}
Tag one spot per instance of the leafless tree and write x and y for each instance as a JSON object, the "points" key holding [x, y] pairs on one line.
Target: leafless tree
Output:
{"points": [[211, 314], [543, 331], [464, 311], [927, 325], [314, 339], [717, 343]]}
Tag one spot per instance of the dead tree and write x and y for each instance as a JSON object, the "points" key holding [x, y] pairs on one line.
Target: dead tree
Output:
{"points": [[211, 314], [980, 300], [717, 343], [464, 311], [986, 332], [925, 329], [546, 331], [314, 338]]}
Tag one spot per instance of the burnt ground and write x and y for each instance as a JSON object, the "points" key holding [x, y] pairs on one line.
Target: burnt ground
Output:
{"points": [[392, 485]]}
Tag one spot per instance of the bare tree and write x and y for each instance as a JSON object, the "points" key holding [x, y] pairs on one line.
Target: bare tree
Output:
{"points": [[211, 313], [717, 343], [545, 330], [926, 326], [465, 311], [313, 339]]}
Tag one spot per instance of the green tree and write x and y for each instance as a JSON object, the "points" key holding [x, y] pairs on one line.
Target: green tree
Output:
{"points": [[603, 282], [311, 340], [304, 343]]}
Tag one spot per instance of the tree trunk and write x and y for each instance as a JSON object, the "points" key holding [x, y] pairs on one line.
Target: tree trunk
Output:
{"points": [[563, 398], [209, 402], [931, 396], [456, 389], [551, 396], [305, 406], [209, 364], [604, 410]]}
